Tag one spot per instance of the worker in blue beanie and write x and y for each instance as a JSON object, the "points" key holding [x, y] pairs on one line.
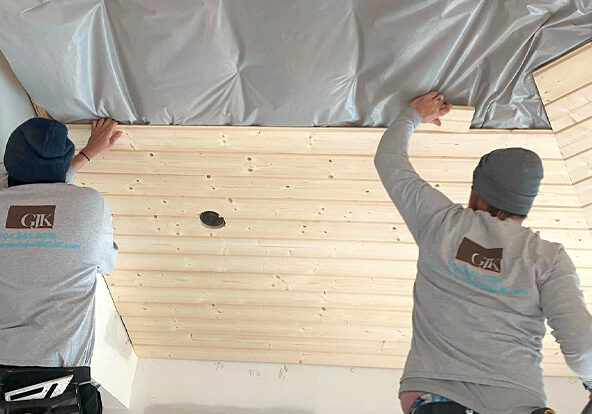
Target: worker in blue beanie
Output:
{"points": [[55, 237], [485, 284], [39, 150]]}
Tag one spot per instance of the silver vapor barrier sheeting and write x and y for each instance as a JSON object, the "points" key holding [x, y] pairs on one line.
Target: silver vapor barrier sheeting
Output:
{"points": [[286, 62]]}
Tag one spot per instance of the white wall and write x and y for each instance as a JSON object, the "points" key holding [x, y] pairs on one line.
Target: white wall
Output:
{"points": [[15, 108], [184, 387], [114, 360]]}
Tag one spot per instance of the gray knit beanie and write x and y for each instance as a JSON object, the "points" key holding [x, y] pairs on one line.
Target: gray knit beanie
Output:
{"points": [[509, 179]]}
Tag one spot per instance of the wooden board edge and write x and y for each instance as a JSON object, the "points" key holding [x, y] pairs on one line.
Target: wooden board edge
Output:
{"points": [[458, 120], [578, 50]]}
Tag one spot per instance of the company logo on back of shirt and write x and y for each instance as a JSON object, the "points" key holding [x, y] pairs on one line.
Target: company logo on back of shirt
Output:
{"points": [[478, 256], [30, 217]]}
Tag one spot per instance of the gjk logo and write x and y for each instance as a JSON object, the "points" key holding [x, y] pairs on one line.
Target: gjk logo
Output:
{"points": [[30, 217], [37, 221], [489, 263], [479, 256]]}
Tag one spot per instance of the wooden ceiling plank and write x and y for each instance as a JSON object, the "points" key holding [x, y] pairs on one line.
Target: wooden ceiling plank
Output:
{"points": [[295, 166], [310, 230], [568, 103], [369, 301], [377, 269], [281, 208], [266, 265], [346, 192], [281, 316], [539, 218], [278, 283], [283, 329], [336, 249], [394, 344], [391, 251], [273, 282], [573, 116], [565, 74], [378, 361], [566, 89], [580, 167], [320, 141], [393, 347], [289, 328], [290, 357], [585, 190], [262, 313], [238, 296], [576, 132], [269, 247]]}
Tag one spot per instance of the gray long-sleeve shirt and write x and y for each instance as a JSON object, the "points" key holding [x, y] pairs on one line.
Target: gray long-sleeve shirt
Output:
{"points": [[483, 290], [53, 240]]}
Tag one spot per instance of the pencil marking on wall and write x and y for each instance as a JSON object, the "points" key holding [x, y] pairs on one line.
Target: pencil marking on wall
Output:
{"points": [[283, 372]]}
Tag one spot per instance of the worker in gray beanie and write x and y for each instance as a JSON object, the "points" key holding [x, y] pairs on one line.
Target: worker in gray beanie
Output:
{"points": [[509, 179], [485, 283], [55, 238]]}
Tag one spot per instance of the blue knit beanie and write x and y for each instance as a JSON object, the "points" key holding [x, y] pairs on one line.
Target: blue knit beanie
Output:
{"points": [[509, 179], [39, 151]]}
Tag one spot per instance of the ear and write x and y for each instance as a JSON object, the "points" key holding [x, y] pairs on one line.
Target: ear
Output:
{"points": [[473, 200], [482, 204]]}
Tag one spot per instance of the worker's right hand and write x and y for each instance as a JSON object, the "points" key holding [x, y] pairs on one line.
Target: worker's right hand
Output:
{"points": [[431, 107], [102, 137]]}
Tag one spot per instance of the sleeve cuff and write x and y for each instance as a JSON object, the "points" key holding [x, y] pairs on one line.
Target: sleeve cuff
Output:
{"points": [[411, 113]]}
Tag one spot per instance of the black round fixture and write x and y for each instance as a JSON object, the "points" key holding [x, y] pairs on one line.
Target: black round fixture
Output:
{"points": [[212, 220]]}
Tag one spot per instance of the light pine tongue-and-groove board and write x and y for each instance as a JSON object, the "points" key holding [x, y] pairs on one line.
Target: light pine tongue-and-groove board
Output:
{"points": [[565, 87], [315, 265]]}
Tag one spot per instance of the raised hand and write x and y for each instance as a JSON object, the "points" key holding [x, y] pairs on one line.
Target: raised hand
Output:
{"points": [[102, 138], [431, 107]]}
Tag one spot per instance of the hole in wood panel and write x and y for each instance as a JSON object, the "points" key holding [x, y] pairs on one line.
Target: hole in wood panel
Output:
{"points": [[212, 220]]}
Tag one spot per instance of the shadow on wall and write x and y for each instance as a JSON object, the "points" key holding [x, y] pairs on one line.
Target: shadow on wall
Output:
{"points": [[200, 409]]}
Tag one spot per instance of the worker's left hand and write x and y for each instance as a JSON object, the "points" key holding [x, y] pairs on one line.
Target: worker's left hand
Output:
{"points": [[102, 137], [431, 107]]}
